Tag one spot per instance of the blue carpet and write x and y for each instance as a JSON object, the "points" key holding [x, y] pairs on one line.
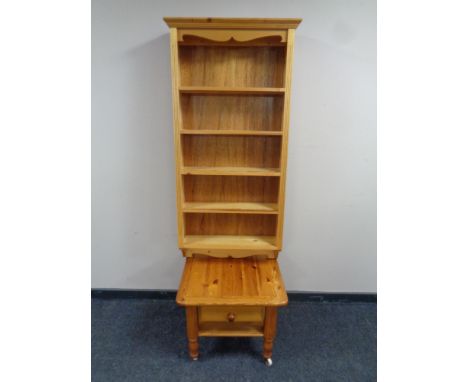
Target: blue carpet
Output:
{"points": [[144, 340]]}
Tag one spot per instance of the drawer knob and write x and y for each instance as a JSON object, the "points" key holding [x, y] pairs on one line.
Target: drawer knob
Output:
{"points": [[231, 317]]}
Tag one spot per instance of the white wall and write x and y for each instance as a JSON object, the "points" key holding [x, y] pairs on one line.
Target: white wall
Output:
{"points": [[330, 226]]}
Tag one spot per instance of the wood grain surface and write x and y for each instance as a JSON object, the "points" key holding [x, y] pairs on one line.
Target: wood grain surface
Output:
{"points": [[249, 282], [232, 112], [247, 189], [232, 22], [232, 66]]}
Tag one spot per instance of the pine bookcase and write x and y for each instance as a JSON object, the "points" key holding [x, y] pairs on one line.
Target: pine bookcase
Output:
{"points": [[231, 83]]}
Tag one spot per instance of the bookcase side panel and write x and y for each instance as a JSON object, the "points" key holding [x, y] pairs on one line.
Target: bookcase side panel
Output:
{"points": [[176, 113], [285, 129]]}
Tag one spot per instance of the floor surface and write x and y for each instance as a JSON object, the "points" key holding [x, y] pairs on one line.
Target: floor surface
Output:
{"points": [[144, 340]]}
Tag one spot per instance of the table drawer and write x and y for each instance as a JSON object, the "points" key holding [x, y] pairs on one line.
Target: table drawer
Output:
{"points": [[254, 314]]}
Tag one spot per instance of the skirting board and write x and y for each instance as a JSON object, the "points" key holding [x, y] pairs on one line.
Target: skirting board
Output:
{"points": [[292, 295]]}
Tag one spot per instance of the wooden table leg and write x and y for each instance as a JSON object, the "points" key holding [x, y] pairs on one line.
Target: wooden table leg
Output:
{"points": [[192, 331], [269, 332]]}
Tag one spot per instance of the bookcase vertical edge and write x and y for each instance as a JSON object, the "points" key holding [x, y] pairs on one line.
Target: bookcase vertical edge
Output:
{"points": [[177, 119], [284, 145]]}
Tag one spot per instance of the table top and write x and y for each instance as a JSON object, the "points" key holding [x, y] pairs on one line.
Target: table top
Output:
{"points": [[221, 281]]}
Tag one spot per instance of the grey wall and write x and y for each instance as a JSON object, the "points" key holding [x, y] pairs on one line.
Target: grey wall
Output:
{"points": [[330, 226]]}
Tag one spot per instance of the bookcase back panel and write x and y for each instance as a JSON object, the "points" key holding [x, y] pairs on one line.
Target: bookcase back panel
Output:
{"points": [[232, 66], [257, 189], [233, 151], [230, 224], [201, 112]]}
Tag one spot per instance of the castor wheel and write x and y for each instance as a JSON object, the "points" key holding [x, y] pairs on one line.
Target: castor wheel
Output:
{"points": [[268, 362]]}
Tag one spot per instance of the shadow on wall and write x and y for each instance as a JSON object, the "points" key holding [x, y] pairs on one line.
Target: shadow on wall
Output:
{"points": [[152, 228]]}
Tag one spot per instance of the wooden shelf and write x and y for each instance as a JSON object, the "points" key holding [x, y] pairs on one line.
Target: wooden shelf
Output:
{"points": [[234, 208], [233, 171], [231, 132], [224, 329], [229, 242], [230, 90]]}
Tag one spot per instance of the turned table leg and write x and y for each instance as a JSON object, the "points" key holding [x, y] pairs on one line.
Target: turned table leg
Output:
{"points": [[192, 331], [269, 332]]}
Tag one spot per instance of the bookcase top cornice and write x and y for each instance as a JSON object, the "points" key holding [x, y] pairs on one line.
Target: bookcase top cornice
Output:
{"points": [[241, 23]]}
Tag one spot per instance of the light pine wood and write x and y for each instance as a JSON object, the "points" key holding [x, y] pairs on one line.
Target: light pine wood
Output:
{"points": [[237, 69], [269, 40], [231, 282], [223, 253], [269, 332], [228, 22], [230, 224], [231, 35], [247, 115], [233, 171], [231, 85], [230, 242], [231, 132], [177, 118], [223, 329], [285, 129], [231, 90], [235, 189], [234, 208], [232, 151], [191, 315], [231, 314], [228, 321]]}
